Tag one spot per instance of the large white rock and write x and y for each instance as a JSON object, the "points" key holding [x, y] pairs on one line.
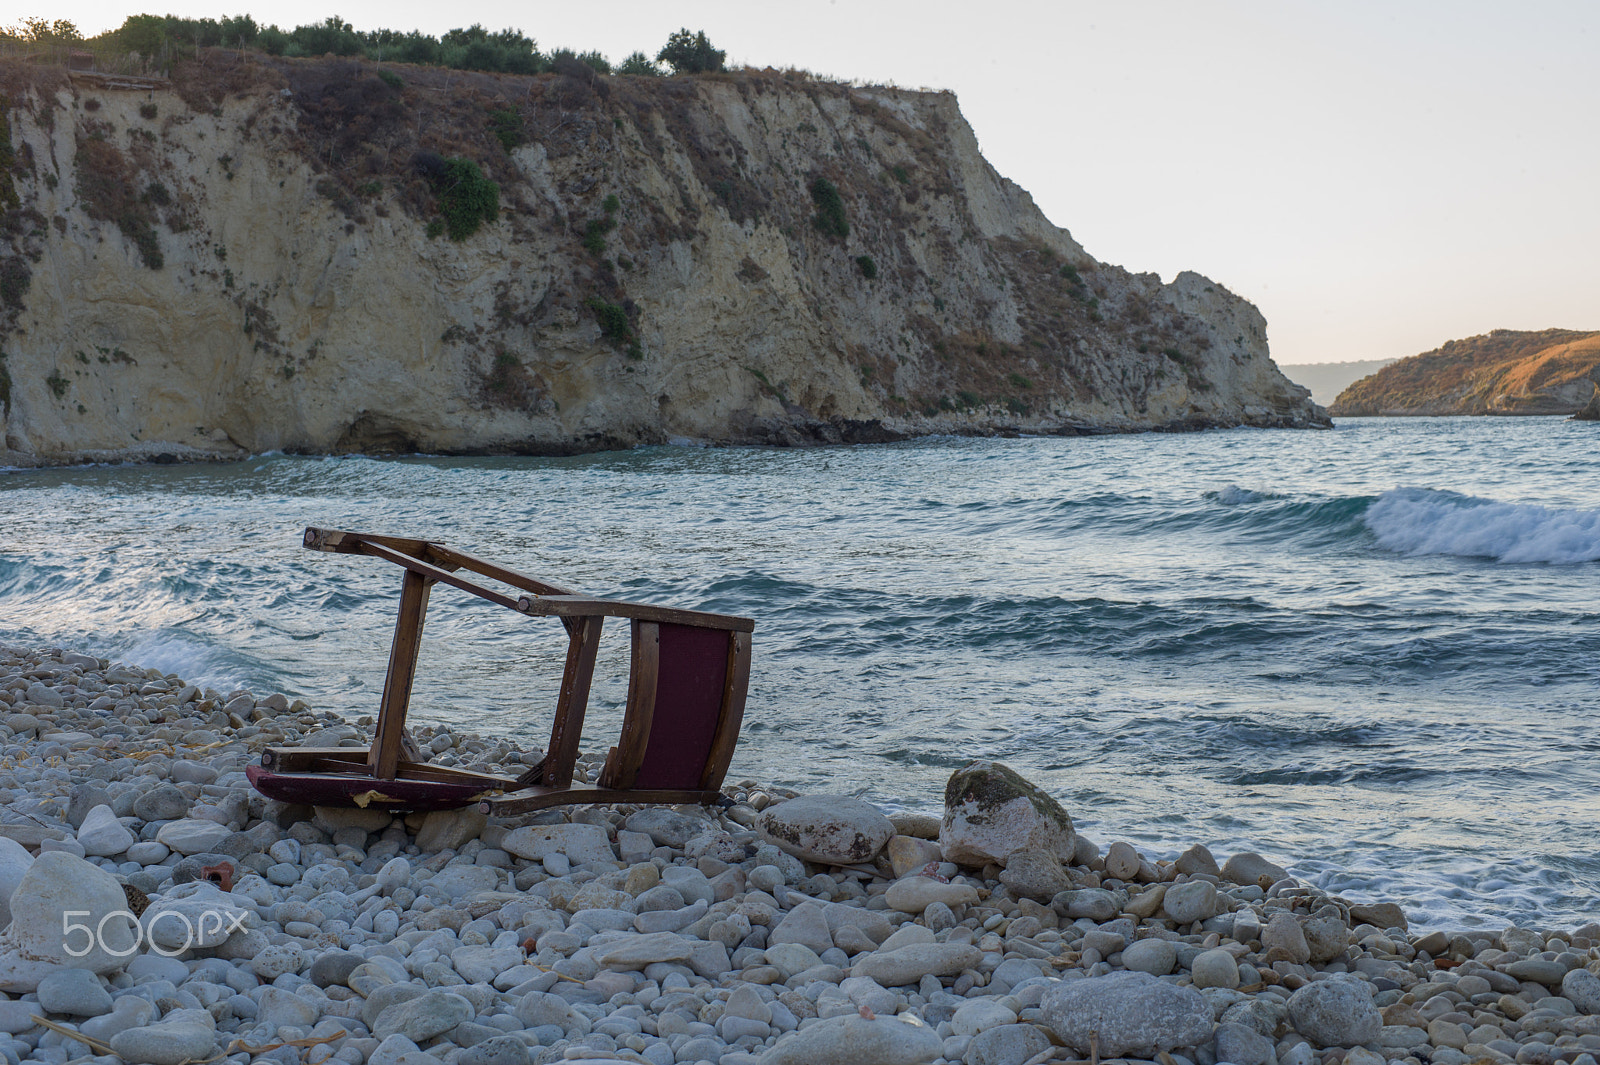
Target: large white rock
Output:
{"points": [[102, 835], [65, 914], [831, 829], [580, 843], [990, 812], [854, 1040], [15, 861], [1129, 1013], [908, 965]]}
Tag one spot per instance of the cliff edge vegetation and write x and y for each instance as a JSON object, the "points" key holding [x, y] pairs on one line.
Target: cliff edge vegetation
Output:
{"points": [[1551, 371], [263, 252]]}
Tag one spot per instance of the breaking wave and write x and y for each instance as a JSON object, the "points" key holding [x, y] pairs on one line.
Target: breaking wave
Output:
{"points": [[1416, 521]]}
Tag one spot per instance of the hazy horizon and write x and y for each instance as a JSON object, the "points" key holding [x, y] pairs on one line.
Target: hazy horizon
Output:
{"points": [[1377, 178]]}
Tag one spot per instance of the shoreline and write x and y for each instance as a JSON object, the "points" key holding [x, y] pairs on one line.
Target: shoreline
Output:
{"points": [[174, 454], [666, 935]]}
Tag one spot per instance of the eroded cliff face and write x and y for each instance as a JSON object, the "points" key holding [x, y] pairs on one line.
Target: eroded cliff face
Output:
{"points": [[246, 258]]}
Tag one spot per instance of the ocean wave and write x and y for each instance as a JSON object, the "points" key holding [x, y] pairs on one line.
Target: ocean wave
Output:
{"points": [[1420, 521], [1235, 496]]}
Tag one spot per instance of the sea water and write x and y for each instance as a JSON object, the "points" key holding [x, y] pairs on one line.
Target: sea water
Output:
{"points": [[1370, 653]]}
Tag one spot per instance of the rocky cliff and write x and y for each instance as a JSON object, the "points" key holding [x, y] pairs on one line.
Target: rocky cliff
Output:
{"points": [[258, 254], [1553, 371]]}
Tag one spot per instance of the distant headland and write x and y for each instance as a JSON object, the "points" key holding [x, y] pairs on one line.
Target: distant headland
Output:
{"points": [[1552, 371]]}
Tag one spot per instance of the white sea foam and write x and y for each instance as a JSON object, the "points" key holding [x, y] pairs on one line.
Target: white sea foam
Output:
{"points": [[191, 659], [1233, 496], [1417, 521]]}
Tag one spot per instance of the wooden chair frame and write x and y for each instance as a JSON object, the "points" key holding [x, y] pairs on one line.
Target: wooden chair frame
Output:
{"points": [[383, 774]]}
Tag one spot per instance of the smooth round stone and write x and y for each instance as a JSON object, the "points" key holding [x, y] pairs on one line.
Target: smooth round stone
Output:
{"points": [[1335, 1013], [1582, 988], [184, 771], [1215, 968], [1243, 1045], [158, 967], [557, 864], [74, 991], [65, 846], [1010, 1044], [276, 960], [192, 835], [148, 852], [165, 1044], [285, 850], [913, 894], [102, 835], [1097, 904], [765, 878], [980, 1014], [333, 968], [283, 874], [834, 829], [853, 1040], [1126, 1013], [1191, 902], [908, 965], [1154, 956], [499, 1050], [162, 803]]}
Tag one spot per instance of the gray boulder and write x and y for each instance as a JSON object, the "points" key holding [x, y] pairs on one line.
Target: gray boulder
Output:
{"points": [[1130, 1013], [1335, 1013]]}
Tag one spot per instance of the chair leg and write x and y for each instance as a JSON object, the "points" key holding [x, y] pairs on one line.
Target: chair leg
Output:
{"points": [[388, 739], [566, 732]]}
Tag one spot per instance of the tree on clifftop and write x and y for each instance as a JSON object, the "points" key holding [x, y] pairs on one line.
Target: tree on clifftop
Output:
{"points": [[61, 31], [690, 53]]}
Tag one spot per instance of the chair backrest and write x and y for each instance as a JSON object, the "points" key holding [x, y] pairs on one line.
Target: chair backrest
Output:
{"points": [[686, 694]]}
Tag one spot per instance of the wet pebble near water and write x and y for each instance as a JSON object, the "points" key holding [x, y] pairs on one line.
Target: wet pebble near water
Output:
{"points": [[775, 932]]}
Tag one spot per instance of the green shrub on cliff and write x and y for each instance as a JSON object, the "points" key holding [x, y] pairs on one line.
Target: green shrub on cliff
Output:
{"points": [[830, 217], [467, 198], [613, 320], [506, 125]]}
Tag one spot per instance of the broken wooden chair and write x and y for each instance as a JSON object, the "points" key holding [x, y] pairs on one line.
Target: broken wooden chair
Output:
{"points": [[686, 692]]}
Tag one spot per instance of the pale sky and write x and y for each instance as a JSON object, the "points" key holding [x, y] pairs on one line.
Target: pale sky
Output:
{"points": [[1378, 177]]}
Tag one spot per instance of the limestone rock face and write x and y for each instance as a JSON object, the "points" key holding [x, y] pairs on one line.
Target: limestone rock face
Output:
{"points": [[273, 302], [990, 812]]}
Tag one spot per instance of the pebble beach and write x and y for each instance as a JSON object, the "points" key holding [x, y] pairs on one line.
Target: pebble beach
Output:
{"points": [[781, 930]]}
